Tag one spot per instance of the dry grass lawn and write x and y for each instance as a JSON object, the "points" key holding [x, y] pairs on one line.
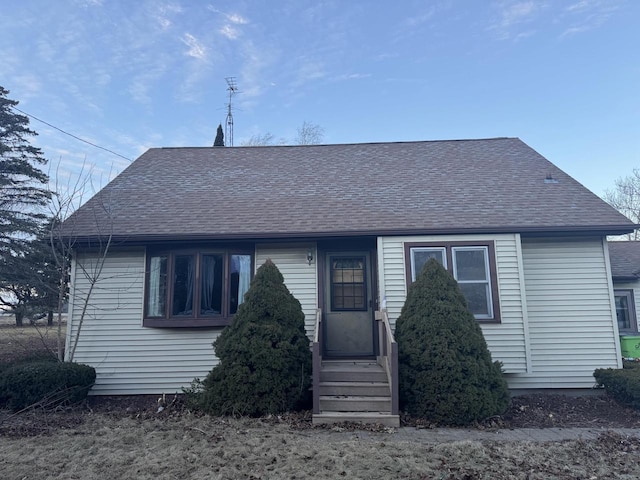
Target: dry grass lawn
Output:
{"points": [[212, 448], [124, 444]]}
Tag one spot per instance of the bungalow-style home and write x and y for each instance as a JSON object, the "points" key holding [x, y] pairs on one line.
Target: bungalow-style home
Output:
{"points": [[625, 270], [350, 227]]}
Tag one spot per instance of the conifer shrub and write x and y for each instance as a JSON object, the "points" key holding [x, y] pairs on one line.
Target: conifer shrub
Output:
{"points": [[446, 371], [264, 356], [45, 383]]}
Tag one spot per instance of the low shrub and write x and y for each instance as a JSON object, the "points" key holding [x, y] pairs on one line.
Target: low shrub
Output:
{"points": [[623, 385], [46, 383]]}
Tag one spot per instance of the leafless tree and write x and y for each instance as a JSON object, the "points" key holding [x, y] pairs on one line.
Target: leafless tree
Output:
{"points": [[625, 198], [63, 242], [309, 134]]}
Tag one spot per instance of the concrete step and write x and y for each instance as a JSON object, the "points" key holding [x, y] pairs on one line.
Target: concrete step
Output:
{"points": [[358, 417], [334, 403], [360, 389]]}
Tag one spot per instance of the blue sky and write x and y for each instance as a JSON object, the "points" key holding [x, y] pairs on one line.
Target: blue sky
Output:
{"points": [[562, 75]]}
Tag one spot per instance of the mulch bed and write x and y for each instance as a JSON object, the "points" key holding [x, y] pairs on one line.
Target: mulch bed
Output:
{"points": [[529, 411]]}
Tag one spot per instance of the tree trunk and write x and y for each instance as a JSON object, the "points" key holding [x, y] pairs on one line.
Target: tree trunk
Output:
{"points": [[19, 317], [50, 318]]}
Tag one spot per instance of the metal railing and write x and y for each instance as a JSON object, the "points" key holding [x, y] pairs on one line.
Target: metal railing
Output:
{"points": [[388, 356], [317, 360]]}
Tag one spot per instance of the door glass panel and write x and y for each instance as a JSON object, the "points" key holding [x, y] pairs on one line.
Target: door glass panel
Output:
{"points": [[348, 289]]}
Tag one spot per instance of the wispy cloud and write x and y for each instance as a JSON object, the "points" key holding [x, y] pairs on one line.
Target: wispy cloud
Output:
{"points": [[196, 49], [586, 15], [237, 19], [351, 76], [230, 32], [512, 16], [163, 14]]}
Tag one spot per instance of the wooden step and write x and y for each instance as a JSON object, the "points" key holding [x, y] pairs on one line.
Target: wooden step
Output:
{"points": [[358, 417], [333, 403], [352, 372], [360, 389]]}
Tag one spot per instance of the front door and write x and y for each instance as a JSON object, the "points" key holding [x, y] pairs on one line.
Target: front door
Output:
{"points": [[348, 305]]}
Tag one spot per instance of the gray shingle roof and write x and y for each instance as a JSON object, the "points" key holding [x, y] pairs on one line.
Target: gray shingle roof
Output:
{"points": [[625, 260], [491, 185]]}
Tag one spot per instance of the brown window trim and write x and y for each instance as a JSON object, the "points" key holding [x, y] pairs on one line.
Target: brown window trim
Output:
{"points": [[194, 321], [493, 272]]}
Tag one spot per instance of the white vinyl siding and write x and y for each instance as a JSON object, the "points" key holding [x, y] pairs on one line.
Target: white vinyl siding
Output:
{"points": [[128, 358], [573, 329], [507, 340], [299, 277]]}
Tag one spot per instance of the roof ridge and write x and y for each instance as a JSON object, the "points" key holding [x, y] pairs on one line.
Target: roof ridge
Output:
{"points": [[399, 142]]}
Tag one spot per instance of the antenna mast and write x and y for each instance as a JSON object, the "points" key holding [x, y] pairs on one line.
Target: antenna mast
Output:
{"points": [[232, 89]]}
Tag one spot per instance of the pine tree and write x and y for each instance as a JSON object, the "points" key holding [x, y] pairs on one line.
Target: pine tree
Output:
{"points": [[22, 183], [219, 141], [265, 361], [23, 193], [445, 367]]}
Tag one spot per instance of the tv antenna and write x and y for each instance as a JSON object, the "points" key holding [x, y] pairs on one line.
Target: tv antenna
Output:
{"points": [[232, 88]]}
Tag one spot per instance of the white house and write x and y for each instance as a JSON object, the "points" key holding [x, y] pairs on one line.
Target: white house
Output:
{"points": [[349, 226]]}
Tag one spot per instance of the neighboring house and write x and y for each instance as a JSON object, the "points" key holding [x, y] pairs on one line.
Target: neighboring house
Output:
{"points": [[625, 270], [349, 226]]}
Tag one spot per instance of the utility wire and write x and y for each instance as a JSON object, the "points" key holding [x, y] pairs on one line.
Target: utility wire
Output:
{"points": [[70, 134]]}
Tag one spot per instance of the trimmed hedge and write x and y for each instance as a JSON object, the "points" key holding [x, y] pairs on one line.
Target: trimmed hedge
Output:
{"points": [[623, 385], [46, 383]]}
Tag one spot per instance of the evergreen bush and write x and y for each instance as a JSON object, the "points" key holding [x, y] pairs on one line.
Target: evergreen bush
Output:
{"points": [[46, 383], [264, 356], [621, 384], [446, 371]]}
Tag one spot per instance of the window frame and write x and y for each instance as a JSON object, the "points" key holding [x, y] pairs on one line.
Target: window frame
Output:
{"points": [[448, 247], [196, 319], [631, 308]]}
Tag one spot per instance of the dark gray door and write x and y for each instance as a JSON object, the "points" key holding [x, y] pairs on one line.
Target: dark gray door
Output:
{"points": [[348, 318]]}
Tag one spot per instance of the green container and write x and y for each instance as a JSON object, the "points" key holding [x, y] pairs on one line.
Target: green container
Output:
{"points": [[630, 346]]}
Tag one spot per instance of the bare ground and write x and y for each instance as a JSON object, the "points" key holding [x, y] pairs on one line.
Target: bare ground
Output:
{"points": [[125, 437]]}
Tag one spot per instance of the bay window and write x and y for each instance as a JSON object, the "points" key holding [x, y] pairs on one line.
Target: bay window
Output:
{"points": [[187, 288], [472, 264]]}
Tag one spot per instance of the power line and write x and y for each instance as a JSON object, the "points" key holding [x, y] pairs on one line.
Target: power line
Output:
{"points": [[70, 134]]}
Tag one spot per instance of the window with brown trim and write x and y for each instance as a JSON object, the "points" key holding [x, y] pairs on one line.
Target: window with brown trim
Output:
{"points": [[195, 288], [472, 264]]}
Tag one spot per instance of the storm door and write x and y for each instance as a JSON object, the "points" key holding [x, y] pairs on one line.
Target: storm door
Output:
{"points": [[348, 313]]}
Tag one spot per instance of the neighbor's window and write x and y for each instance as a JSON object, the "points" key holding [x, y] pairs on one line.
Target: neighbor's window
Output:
{"points": [[625, 311], [195, 288], [471, 264]]}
